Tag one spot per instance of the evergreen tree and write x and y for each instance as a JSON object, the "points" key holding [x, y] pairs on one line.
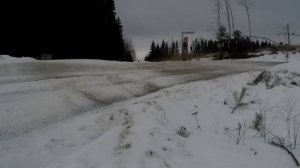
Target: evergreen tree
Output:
{"points": [[176, 48], [151, 54], [223, 40], [65, 30], [172, 49], [238, 47]]}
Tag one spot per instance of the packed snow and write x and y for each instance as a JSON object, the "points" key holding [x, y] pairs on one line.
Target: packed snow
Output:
{"points": [[5, 59], [277, 57], [206, 123]]}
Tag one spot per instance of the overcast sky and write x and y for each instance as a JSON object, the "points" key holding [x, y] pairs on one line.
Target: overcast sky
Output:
{"points": [[147, 20]]}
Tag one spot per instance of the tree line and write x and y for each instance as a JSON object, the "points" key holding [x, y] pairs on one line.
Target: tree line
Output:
{"points": [[223, 47], [65, 30], [228, 43], [163, 51], [238, 46]]}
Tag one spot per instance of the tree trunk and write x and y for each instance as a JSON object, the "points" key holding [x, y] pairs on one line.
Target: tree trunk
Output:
{"points": [[249, 22], [218, 5], [232, 20], [228, 18]]}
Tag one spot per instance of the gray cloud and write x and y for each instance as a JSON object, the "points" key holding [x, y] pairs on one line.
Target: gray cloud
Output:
{"points": [[147, 20]]}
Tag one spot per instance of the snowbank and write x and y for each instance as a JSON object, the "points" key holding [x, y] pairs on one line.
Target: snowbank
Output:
{"points": [[5, 59], [280, 57]]}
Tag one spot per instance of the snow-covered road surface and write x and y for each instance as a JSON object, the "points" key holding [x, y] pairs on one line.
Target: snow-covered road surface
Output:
{"points": [[39, 93], [43, 103], [43, 70]]}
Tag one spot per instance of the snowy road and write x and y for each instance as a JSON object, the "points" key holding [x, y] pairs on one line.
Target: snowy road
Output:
{"points": [[33, 71], [35, 95], [75, 87]]}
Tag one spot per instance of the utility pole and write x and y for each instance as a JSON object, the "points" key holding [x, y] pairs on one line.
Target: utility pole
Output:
{"points": [[288, 34]]}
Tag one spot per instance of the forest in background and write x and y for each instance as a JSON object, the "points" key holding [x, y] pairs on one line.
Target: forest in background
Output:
{"points": [[63, 30]]}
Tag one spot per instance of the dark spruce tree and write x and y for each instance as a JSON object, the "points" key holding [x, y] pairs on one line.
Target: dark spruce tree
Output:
{"points": [[151, 55], [62, 29]]}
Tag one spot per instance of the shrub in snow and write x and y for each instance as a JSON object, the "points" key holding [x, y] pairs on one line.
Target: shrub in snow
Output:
{"points": [[183, 132], [121, 148], [257, 123], [238, 98], [269, 78], [237, 134]]}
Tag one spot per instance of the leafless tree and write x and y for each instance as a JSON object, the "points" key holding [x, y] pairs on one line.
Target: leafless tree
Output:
{"points": [[246, 4], [231, 13], [218, 6], [228, 16]]}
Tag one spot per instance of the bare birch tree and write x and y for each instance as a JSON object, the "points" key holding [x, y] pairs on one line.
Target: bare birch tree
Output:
{"points": [[246, 4], [228, 17], [218, 6], [232, 18]]}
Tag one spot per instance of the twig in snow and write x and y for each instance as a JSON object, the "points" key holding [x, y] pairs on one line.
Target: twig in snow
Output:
{"points": [[280, 144], [197, 120]]}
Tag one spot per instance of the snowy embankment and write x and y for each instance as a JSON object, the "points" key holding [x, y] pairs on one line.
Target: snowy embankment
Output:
{"points": [[200, 124], [279, 57], [5, 59]]}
